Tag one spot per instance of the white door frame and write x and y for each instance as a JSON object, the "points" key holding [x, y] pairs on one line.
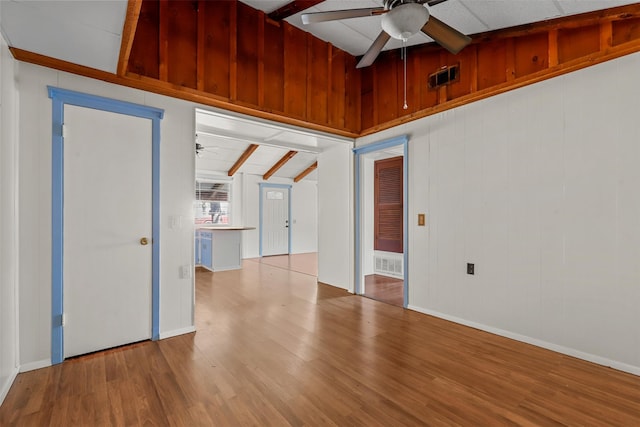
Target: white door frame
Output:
{"points": [[370, 148], [264, 185], [59, 98]]}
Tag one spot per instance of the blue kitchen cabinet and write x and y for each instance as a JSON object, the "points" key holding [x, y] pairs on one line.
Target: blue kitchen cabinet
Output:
{"points": [[197, 248], [205, 249]]}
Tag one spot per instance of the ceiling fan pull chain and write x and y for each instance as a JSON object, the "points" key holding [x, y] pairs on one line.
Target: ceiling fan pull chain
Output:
{"points": [[404, 57]]}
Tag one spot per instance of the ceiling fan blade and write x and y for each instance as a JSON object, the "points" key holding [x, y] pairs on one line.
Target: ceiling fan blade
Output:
{"points": [[332, 15], [435, 2], [374, 50], [446, 36]]}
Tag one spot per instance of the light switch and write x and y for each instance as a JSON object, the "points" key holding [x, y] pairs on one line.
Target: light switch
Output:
{"points": [[421, 219], [175, 222]]}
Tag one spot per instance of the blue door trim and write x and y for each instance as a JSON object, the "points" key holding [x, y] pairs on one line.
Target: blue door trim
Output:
{"points": [[370, 148], [264, 185], [60, 98]]}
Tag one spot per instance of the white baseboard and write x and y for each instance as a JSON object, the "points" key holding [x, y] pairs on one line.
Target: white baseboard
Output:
{"points": [[346, 288], [534, 341], [4, 388], [38, 364], [177, 332]]}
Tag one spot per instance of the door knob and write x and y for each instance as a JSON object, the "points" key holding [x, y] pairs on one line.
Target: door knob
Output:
{"points": [[144, 241]]}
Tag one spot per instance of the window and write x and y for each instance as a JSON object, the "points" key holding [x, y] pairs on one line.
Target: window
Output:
{"points": [[213, 202]]}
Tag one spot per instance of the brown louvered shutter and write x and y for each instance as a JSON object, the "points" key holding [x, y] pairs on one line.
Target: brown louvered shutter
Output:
{"points": [[388, 200]]}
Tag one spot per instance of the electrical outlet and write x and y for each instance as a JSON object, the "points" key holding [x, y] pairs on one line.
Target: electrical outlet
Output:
{"points": [[175, 222], [470, 268]]}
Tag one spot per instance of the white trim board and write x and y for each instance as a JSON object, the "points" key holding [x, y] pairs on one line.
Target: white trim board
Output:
{"points": [[176, 332], [635, 370], [7, 385], [38, 364]]}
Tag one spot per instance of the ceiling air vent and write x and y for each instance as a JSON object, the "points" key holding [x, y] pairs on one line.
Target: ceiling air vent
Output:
{"points": [[444, 76]]}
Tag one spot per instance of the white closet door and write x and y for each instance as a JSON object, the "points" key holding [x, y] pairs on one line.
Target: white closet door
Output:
{"points": [[107, 212]]}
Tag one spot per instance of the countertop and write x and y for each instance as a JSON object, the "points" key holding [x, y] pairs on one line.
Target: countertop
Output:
{"points": [[223, 228]]}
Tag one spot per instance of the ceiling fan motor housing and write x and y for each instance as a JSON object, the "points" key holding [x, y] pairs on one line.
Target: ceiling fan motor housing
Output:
{"points": [[404, 19], [390, 4]]}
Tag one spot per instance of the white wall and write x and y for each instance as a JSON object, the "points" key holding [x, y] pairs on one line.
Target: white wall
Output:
{"points": [[335, 217], [539, 188], [8, 221], [367, 194], [303, 219], [176, 197], [236, 200]]}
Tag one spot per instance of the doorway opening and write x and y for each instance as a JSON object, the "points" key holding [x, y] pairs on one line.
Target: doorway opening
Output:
{"points": [[262, 177], [381, 221]]}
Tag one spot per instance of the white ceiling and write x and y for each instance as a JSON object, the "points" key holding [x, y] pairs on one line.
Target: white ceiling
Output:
{"points": [[468, 16], [85, 32], [225, 137]]}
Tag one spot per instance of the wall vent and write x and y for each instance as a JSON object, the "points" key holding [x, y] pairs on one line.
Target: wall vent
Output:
{"points": [[388, 264], [444, 76]]}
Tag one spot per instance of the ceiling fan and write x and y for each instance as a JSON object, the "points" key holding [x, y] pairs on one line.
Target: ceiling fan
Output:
{"points": [[200, 148], [401, 19]]}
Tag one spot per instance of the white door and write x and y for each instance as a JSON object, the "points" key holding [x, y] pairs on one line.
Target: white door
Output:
{"points": [[107, 211], [275, 221]]}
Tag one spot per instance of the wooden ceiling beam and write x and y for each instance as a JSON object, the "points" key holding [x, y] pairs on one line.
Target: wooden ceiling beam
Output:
{"points": [[292, 8], [128, 34], [306, 172], [279, 164], [243, 158]]}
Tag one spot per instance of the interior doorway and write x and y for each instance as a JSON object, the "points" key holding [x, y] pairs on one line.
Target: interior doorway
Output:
{"points": [[381, 221]]}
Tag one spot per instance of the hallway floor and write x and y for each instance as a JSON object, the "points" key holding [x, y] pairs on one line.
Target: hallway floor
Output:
{"points": [[384, 289], [301, 263]]}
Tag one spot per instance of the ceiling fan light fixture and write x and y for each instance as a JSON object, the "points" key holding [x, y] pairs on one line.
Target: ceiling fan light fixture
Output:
{"points": [[405, 20]]}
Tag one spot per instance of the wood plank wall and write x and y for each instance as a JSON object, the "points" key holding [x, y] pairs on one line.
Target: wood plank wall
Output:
{"points": [[231, 53], [493, 63], [237, 54]]}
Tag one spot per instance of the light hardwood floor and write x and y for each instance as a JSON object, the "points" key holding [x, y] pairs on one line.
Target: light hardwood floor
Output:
{"points": [[301, 263], [275, 348]]}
